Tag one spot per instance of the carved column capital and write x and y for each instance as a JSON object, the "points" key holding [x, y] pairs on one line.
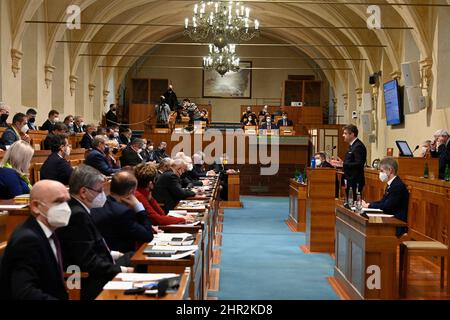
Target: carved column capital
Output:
{"points": [[396, 75], [73, 84], [16, 57], [91, 91], [426, 73], [49, 70]]}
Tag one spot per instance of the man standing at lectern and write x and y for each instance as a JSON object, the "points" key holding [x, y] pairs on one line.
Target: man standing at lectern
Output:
{"points": [[354, 162]]}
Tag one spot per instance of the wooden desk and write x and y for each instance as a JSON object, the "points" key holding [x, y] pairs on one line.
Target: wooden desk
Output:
{"points": [[234, 190], [361, 244], [320, 204], [181, 294], [297, 206], [14, 217], [194, 263]]}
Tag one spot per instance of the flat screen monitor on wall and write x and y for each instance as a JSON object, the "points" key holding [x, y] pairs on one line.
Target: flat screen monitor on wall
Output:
{"points": [[394, 111]]}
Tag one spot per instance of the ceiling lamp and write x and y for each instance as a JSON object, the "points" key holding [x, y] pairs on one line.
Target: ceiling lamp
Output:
{"points": [[222, 60], [221, 23]]}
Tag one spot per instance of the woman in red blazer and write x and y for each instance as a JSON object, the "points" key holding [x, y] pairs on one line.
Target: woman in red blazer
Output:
{"points": [[145, 174]]}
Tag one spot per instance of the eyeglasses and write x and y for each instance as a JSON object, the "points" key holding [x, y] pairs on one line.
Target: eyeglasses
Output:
{"points": [[97, 191]]}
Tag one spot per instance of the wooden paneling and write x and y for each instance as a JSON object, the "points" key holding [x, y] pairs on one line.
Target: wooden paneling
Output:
{"points": [[320, 204], [361, 243], [297, 206]]}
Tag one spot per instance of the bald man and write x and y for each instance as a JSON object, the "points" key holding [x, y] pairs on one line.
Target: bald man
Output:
{"points": [[32, 264]]}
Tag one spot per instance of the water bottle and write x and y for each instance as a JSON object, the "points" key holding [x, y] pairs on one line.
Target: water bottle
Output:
{"points": [[350, 197], [358, 203], [313, 163]]}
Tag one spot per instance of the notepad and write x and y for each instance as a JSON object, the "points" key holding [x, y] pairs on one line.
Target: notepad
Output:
{"points": [[379, 215], [137, 277], [118, 285]]}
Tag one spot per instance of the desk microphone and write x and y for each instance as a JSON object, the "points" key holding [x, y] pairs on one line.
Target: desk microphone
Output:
{"points": [[417, 147]]}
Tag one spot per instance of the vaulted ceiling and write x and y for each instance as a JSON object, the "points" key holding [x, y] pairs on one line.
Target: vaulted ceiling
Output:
{"points": [[337, 21]]}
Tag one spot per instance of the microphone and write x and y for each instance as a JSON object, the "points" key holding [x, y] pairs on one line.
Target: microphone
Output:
{"points": [[417, 147]]}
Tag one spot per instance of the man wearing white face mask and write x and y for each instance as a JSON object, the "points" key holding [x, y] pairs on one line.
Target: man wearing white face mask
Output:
{"points": [[56, 167], [32, 266], [395, 199], [82, 243], [17, 131]]}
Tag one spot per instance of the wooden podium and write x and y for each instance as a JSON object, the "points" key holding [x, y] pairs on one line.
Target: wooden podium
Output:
{"points": [[365, 247], [297, 206], [320, 205], [234, 192]]}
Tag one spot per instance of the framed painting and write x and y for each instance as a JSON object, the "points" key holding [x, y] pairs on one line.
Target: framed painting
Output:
{"points": [[233, 85]]}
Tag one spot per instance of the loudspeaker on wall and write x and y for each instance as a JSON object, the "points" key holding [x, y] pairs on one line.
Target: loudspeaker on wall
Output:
{"points": [[411, 73]]}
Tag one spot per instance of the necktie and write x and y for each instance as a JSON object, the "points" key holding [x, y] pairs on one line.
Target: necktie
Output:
{"points": [[285, 123], [58, 253]]}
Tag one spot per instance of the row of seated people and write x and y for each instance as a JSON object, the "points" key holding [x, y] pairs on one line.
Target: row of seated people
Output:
{"points": [[265, 120], [83, 226]]}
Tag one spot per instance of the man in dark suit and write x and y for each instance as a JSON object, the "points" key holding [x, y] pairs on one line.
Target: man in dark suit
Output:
{"points": [[395, 199], [56, 167], [354, 162], [4, 115], [31, 115], [88, 138], [78, 126], [131, 155], [248, 114], [17, 131], [268, 125], [285, 122], [123, 221], [111, 116], [171, 98], [125, 137], [321, 160], [97, 157], [32, 265], [58, 129], [160, 153], [81, 241], [440, 149], [53, 117], [168, 189]]}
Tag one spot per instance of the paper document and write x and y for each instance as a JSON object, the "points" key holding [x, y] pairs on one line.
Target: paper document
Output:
{"points": [[379, 215], [188, 225], [136, 277], [170, 236], [174, 248], [371, 210], [118, 285], [176, 256], [13, 207]]}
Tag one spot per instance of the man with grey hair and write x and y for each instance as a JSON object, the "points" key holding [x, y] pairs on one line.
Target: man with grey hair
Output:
{"points": [[88, 138], [440, 149], [131, 155], [395, 199], [4, 114], [81, 242], [97, 157], [168, 188]]}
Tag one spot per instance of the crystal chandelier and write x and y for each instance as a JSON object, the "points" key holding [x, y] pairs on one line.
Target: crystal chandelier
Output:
{"points": [[222, 60], [221, 23]]}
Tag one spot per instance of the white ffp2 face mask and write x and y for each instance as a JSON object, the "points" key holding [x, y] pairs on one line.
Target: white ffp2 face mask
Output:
{"points": [[58, 216], [24, 129], [318, 162], [99, 201], [383, 177]]}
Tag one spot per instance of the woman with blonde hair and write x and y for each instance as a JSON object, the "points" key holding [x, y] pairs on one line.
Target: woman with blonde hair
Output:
{"points": [[15, 170]]}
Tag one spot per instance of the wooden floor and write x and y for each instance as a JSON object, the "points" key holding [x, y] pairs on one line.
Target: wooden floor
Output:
{"points": [[423, 281]]}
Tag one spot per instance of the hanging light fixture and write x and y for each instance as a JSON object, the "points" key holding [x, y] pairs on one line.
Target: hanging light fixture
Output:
{"points": [[222, 60], [221, 23]]}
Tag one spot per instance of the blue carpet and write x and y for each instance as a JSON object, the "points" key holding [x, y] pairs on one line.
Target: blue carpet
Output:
{"points": [[261, 259]]}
